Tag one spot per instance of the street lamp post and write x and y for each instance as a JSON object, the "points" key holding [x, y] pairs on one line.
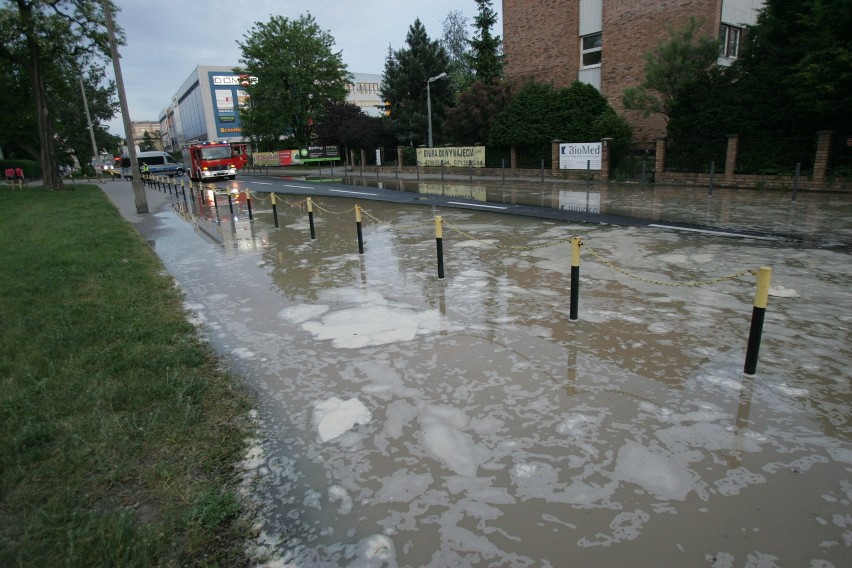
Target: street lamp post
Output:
{"points": [[429, 102]]}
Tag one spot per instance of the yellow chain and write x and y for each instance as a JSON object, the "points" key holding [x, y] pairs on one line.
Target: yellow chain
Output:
{"points": [[255, 196], [693, 284], [509, 247], [324, 210], [366, 213]]}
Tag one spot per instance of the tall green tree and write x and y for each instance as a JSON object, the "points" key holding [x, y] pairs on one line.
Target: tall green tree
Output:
{"points": [[347, 125], [469, 122], [406, 72], [486, 48], [456, 43], [673, 66], [38, 36], [298, 72]]}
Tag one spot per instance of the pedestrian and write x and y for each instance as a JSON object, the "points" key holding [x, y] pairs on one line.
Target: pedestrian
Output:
{"points": [[10, 176], [125, 167], [19, 177], [99, 172]]}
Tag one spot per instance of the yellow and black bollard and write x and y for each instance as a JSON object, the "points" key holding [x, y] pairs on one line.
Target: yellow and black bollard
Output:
{"points": [[358, 228], [248, 204], [230, 203], [215, 200], [575, 277], [761, 299], [311, 218], [274, 210], [439, 241]]}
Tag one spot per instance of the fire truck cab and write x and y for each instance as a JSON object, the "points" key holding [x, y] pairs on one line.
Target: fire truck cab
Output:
{"points": [[210, 160]]}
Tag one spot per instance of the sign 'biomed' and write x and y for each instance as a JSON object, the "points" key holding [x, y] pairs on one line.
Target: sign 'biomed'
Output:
{"points": [[579, 156]]}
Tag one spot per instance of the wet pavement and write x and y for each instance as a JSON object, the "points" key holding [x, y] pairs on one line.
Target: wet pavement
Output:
{"points": [[408, 420]]}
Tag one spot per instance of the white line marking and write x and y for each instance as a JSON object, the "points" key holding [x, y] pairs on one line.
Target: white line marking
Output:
{"points": [[299, 186], [355, 192], [475, 205], [722, 233], [260, 182]]}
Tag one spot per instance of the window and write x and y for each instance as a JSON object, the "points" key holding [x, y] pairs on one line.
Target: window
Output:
{"points": [[729, 41], [590, 50]]}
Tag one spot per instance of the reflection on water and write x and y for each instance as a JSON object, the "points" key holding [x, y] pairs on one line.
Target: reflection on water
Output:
{"points": [[813, 216], [412, 421]]}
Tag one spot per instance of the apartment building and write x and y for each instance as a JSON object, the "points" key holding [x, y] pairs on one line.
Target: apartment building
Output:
{"points": [[603, 42]]}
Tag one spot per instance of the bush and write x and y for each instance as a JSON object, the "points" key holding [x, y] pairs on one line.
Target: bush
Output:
{"points": [[32, 169]]}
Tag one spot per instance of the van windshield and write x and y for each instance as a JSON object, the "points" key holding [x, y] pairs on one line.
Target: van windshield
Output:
{"points": [[216, 152]]}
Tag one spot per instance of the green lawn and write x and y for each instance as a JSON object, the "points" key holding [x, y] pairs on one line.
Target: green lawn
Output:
{"points": [[119, 429]]}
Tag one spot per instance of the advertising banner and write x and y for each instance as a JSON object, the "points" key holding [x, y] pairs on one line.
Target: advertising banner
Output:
{"points": [[279, 158], [319, 153], [228, 98], [580, 201], [454, 157], [579, 156]]}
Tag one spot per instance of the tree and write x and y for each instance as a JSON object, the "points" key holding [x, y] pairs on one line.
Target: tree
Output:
{"points": [[298, 73], [39, 35], [456, 43], [470, 121], [539, 114], [147, 144], [346, 124], [404, 86], [675, 65], [486, 49]]}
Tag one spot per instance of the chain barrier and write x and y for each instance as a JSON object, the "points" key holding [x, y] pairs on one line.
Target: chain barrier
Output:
{"points": [[329, 211], [693, 284], [366, 213], [467, 235]]}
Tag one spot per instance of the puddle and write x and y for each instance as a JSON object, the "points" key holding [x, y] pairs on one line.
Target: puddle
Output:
{"points": [[412, 421]]}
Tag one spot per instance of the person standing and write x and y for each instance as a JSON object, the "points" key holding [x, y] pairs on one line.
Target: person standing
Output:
{"points": [[99, 172], [10, 177], [19, 177]]}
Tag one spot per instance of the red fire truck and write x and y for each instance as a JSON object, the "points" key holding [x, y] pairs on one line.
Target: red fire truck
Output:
{"points": [[210, 160], [240, 154]]}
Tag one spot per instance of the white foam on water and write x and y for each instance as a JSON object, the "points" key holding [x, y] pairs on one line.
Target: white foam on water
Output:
{"points": [[445, 441], [402, 487], [778, 291], [373, 325], [653, 471], [333, 417], [302, 312], [374, 551], [339, 493]]}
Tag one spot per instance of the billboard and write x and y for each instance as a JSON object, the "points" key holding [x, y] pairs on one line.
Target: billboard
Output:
{"points": [[454, 157], [228, 98]]}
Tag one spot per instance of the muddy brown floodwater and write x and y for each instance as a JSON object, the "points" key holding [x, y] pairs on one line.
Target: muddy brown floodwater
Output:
{"points": [[406, 420]]}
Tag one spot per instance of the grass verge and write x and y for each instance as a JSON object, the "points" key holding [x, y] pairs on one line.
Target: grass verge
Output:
{"points": [[119, 429]]}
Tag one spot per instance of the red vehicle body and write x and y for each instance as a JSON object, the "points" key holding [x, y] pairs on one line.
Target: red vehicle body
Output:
{"points": [[240, 153], [210, 160]]}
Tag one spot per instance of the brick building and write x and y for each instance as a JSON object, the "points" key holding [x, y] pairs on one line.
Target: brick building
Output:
{"points": [[603, 42]]}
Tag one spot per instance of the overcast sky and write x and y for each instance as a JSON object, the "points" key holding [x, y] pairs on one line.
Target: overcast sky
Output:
{"points": [[168, 39]]}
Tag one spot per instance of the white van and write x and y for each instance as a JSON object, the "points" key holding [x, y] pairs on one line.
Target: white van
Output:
{"points": [[161, 163]]}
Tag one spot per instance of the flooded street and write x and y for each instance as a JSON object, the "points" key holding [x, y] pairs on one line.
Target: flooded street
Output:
{"points": [[407, 420]]}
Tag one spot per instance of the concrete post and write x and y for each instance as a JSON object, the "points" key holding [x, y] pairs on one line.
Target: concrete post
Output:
{"points": [[399, 151], [606, 153], [731, 155], [660, 156], [823, 154], [513, 157], [363, 158]]}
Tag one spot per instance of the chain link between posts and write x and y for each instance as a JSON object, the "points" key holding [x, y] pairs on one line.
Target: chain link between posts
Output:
{"points": [[611, 265], [692, 284]]}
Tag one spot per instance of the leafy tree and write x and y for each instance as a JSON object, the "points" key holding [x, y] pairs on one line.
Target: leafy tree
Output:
{"points": [[39, 37], [539, 114], [347, 125], [470, 121], [404, 87], [456, 43], [675, 65], [486, 49], [298, 73], [147, 144]]}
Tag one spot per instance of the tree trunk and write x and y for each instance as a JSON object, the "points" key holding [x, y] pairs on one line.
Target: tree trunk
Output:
{"points": [[49, 167]]}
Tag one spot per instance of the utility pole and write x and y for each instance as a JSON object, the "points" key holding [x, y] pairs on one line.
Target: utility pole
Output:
{"points": [[89, 120], [138, 188]]}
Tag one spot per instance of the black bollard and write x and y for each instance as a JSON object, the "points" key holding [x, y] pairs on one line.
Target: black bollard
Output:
{"points": [[761, 299], [439, 241], [575, 277], [274, 210], [248, 204], [311, 218], [358, 228]]}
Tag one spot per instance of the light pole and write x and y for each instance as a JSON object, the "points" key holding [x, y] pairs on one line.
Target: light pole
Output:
{"points": [[429, 102]]}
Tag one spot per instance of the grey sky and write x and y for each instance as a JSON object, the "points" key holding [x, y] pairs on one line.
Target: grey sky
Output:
{"points": [[167, 39]]}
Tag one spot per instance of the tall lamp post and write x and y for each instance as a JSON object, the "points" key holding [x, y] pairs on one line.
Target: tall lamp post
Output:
{"points": [[429, 102]]}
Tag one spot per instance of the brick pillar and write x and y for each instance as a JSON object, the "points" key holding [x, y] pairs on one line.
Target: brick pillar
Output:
{"points": [[823, 153], [399, 152], [606, 154], [513, 157], [731, 155], [660, 153], [554, 154]]}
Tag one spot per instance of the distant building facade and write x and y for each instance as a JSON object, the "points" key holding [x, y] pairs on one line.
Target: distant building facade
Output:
{"points": [[207, 105], [603, 42], [140, 127]]}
